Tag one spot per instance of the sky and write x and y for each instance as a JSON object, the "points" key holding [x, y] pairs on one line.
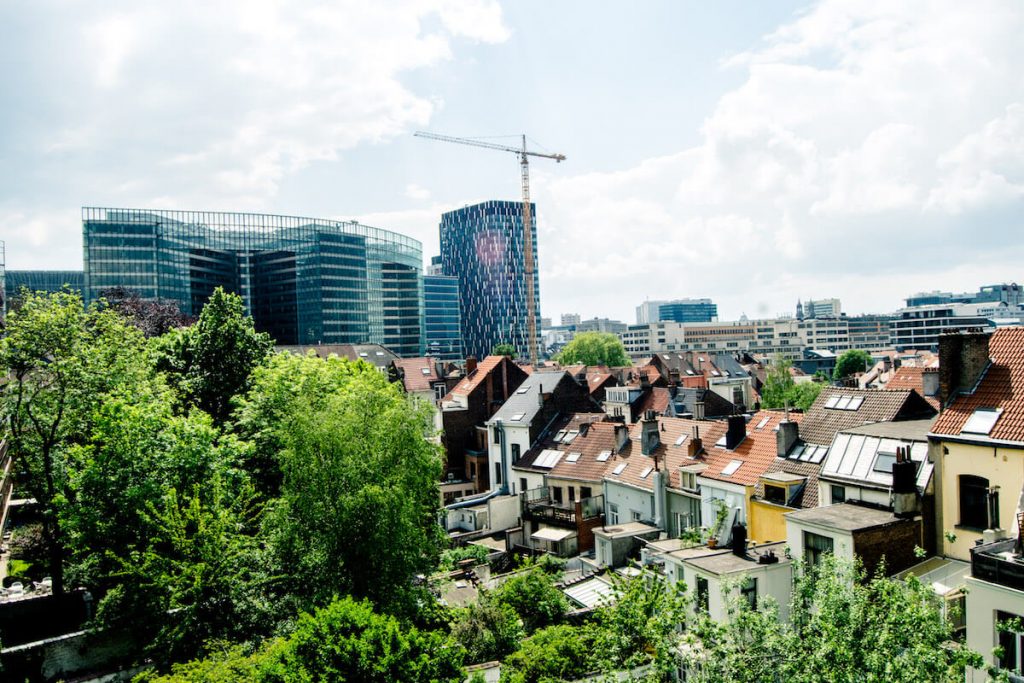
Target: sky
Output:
{"points": [[753, 153]]}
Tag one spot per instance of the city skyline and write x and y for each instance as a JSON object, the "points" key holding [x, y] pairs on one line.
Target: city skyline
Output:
{"points": [[751, 156]]}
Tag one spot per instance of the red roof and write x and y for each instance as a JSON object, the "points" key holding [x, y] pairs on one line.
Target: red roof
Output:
{"points": [[483, 368], [908, 377], [418, 373], [757, 451], [1001, 387]]}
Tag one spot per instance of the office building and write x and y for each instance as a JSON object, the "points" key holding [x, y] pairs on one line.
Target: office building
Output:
{"points": [[570, 319], [442, 320], [678, 311], [42, 281], [303, 280], [919, 327], [820, 308], [869, 332], [482, 246], [1011, 294]]}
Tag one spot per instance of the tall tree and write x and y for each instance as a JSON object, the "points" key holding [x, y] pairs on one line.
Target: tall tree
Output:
{"points": [[210, 362], [358, 494], [778, 384], [851, 362], [594, 348], [153, 317], [61, 361]]}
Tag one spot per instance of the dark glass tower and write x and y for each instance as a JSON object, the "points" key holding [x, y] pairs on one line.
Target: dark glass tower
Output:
{"points": [[442, 320], [482, 246], [304, 280]]}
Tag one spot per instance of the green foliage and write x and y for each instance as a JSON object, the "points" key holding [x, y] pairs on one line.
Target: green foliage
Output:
{"points": [[594, 348], [851, 362], [554, 653], [348, 641], [452, 556], [359, 494], [504, 349], [781, 389], [210, 362], [488, 629], [534, 597], [855, 628]]}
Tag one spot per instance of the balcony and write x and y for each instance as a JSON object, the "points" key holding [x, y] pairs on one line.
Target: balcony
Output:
{"points": [[998, 563], [536, 505]]}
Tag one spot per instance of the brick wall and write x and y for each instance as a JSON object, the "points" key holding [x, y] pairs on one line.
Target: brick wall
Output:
{"points": [[962, 358], [895, 542]]}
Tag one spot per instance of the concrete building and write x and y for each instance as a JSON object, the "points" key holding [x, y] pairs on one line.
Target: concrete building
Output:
{"points": [[570, 319], [869, 332], [677, 310], [919, 327]]}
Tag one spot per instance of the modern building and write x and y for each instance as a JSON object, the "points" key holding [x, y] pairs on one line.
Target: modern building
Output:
{"points": [[821, 308], [42, 281], [304, 280], [677, 310], [1007, 293], [570, 319], [482, 246], [869, 332], [919, 327], [442, 317]]}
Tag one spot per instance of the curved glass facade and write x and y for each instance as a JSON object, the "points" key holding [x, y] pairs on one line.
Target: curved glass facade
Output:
{"points": [[304, 280]]}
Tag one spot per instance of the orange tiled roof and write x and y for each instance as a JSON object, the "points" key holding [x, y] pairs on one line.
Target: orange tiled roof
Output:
{"points": [[908, 377], [1001, 386], [483, 368], [414, 378], [757, 451], [670, 456]]}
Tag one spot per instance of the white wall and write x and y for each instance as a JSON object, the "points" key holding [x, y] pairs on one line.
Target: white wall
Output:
{"points": [[629, 500], [503, 512], [842, 542], [734, 496], [513, 434], [852, 493], [773, 580], [984, 599]]}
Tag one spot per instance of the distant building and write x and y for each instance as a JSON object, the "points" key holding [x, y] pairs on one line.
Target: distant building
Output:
{"points": [[1007, 293], [482, 246], [303, 280], [42, 281], [545, 323], [869, 332], [919, 327], [570, 319], [822, 308], [601, 325], [442, 317], [677, 310]]}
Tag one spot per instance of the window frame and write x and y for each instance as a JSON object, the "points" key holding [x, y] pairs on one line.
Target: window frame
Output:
{"points": [[972, 502]]}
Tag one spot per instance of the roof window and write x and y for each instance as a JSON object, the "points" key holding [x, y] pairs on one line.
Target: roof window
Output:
{"points": [[618, 469], [425, 371], [982, 421], [573, 457], [559, 436], [681, 439], [762, 423], [731, 468], [603, 456], [518, 416], [647, 471], [570, 435]]}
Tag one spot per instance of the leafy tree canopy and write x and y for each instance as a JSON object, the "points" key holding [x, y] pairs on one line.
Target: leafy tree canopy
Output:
{"points": [[153, 317], [594, 348], [504, 349], [534, 597], [780, 389], [851, 362]]}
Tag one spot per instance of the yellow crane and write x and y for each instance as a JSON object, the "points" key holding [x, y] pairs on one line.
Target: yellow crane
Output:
{"points": [[524, 164]]}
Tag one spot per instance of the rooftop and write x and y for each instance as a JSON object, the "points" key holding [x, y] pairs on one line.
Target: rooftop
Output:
{"points": [[728, 562], [838, 409], [522, 405], [625, 529], [845, 517]]}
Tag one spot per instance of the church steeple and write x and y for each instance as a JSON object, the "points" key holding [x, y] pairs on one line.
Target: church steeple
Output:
{"points": [[799, 310]]}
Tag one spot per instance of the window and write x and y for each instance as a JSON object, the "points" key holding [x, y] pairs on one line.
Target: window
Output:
{"points": [[603, 456], [982, 421], [618, 468], [440, 391], [522, 484], [838, 494], [497, 473], [1011, 641], [731, 468], [737, 395], [585, 492], [472, 470], [702, 594], [815, 547], [572, 494], [884, 462], [775, 494], [973, 502], [688, 480], [516, 448], [556, 493], [748, 589], [635, 515], [497, 435], [647, 471], [613, 513]]}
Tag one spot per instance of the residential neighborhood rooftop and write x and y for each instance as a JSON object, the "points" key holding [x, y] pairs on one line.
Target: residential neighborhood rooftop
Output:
{"points": [[845, 517]]}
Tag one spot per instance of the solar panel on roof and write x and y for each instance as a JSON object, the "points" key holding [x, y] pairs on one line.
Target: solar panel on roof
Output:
{"points": [[603, 456], [731, 468], [618, 469], [647, 470], [573, 457]]}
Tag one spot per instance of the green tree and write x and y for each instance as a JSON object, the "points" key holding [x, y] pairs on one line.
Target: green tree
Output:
{"points": [[60, 361], [778, 384], [851, 362], [554, 653], [504, 349], [210, 362], [803, 395], [534, 597], [488, 629], [359, 478], [594, 348]]}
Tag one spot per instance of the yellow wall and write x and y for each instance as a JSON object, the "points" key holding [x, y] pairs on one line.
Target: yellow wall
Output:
{"points": [[767, 522], [1001, 466]]}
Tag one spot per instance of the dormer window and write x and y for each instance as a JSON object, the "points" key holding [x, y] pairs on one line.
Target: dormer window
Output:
{"points": [[688, 480]]}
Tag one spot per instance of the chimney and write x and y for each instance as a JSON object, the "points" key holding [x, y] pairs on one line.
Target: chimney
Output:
{"points": [[963, 356], [739, 539], [658, 484], [696, 446], [698, 410], [930, 380], [621, 436], [645, 383], [470, 365], [905, 502], [736, 432], [581, 378], [788, 434], [650, 437]]}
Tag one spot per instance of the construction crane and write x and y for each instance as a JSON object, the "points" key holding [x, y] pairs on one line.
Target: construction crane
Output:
{"points": [[524, 155]]}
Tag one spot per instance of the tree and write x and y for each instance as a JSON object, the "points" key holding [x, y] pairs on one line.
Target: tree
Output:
{"points": [[153, 317], [803, 395], [60, 361], [504, 349], [554, 653], [488, 629], [594, 348], [210, 362], [780, 389], [359, 495], [534, 597], [851, 362]]}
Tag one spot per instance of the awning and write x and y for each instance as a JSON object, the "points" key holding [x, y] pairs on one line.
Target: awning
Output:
{"points": [[553, 535]]}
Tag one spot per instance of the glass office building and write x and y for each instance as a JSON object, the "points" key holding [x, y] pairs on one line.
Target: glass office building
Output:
{"points": [[482, 246], [42, 281], [442, 320], [688, 311], [304, 280]]}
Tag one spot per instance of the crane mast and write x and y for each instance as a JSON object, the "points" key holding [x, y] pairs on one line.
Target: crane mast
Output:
{"points": [[529, 266]]}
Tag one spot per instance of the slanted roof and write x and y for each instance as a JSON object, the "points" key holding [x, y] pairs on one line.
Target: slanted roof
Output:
{"points": [[831, 413], [853, 456], [473, 380], [591, 592], [909, 377], [522, 404], [756, 453], [675, 435], [1001, 387], [590, 466], [576, 425], [418, 374]]}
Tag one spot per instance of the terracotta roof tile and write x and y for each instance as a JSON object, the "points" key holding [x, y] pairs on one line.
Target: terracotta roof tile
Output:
{"points": [[1001, 387], [820, 424], [657, 400], [483, 368], [757, 451], [670, 456], [414, 378], [908, 377]]}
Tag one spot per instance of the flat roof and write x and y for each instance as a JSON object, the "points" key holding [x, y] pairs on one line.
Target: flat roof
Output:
{"points": [[845, 517], [625, 529], [728, 562], [911, 430]]}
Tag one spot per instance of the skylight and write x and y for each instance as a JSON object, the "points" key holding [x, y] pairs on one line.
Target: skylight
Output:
{"points": [[982, 421], [522, 390], [680, 440], [603, 456], [721, 442], [855, 402], [518, 416], [570, 435], [844, 403], [689, 372], [647, 470], [363, 354], [380, 353], [425, 371], [715, 373], [573, 457], [832, 401], [618, 469], [762, 423], [559, 436], [884, 463], [731, 468]]}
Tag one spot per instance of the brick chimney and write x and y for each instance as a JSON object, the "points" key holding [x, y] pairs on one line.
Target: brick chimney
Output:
{"points": [[621, 436], [695, 446], [470, 365], [905, 502], [736, 432], [788, 434], [650, 436], [963, 356], [930, 381]]}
